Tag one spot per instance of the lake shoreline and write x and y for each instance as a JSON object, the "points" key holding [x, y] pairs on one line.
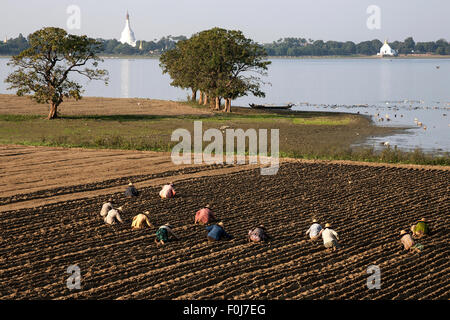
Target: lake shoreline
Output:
{"points": [[146, 124], [284, 57]]}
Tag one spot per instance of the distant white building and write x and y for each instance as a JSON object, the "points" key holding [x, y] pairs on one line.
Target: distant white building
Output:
{"points": [[128, 34], [386, 50]]}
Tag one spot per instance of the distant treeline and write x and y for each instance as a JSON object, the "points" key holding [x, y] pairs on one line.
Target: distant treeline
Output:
{"points": [[294, 47], [302, 47], [110, 47]]}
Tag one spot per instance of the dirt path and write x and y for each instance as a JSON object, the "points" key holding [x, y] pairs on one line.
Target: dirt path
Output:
{"points": [[35, 176], [12, 104]]}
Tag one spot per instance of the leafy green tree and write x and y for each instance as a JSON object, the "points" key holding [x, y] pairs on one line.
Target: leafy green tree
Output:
{"points": [[220, 63], [43, 69]]}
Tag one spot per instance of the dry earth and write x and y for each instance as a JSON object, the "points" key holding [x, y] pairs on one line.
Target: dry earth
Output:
{"points": [[51, 197], [12, 104]]}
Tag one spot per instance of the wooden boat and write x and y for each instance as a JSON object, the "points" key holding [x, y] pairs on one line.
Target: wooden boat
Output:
{"points": [[269, 106]]}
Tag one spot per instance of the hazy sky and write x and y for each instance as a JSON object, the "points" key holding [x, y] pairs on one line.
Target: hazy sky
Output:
{"points": [[261, 20]]}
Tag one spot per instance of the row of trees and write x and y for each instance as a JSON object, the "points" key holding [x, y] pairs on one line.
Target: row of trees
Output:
{"points": [[114, 47], [283, 47], [222, 64], [217, 63], [304, 47]]}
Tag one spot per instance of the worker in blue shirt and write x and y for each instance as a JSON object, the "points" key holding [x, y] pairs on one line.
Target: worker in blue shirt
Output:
{"points": [[217, 232]]}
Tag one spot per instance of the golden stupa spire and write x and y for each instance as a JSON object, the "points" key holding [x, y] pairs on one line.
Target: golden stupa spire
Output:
{"points": [[140, 46]]}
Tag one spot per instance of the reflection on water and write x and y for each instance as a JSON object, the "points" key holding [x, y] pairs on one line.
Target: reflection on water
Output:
{"points": [[408, 88], [125, 78]]}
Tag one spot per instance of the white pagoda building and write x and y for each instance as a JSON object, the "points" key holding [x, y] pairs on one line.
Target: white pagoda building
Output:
{"points": [[128, 34], [386, 50]]}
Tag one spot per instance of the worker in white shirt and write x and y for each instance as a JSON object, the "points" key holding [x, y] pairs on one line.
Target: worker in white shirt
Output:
{"points": [[106, 207], [330, 237], [167, 191], [113, 216], [314, 230]]}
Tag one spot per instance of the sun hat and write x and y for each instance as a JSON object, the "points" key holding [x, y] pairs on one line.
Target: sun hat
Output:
{"points": [[423, 219], [207, 206], [220, 224], [120, 208], [147, 212], [314, 220], [402, 232], [327, 225], [168, 225], [130, 184]]}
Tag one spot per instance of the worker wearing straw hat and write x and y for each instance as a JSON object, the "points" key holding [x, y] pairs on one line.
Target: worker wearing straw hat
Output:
{"points": [[330, 237], [113, 216], [205, 215], [408, 242], [314, 230], [216, 232], [163, 234], [131, 191], [420, 229], [167, 191], [140, 220]]}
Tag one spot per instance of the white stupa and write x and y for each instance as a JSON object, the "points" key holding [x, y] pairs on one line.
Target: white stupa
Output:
{"points": [[386, 50], [128, 34]]}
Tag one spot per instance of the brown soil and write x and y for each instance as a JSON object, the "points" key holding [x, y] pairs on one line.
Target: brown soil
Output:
{"points": [[367, 205], [12, 104]]}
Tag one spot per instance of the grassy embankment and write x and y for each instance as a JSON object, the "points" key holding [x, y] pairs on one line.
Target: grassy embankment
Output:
{"points": [[311, 135]]}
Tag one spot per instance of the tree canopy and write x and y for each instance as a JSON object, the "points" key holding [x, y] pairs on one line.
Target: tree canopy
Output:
{"points": [[43, 68], [220, 63]]}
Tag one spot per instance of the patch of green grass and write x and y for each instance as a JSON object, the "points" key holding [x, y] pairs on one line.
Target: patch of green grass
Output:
{"points": [[18, 117], [302, 135], [323, 121]]}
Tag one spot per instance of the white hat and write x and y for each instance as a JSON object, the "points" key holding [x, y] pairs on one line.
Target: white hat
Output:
{"points": [[147, 212], [402, 232], [130, 184], [314, 220]]}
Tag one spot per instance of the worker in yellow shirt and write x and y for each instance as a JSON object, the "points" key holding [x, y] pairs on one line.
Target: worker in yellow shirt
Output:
{"points": [[140, 220]]}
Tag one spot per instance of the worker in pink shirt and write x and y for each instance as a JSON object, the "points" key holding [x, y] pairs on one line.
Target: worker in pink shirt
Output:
{"points": [[167, 191], [205, 215]]}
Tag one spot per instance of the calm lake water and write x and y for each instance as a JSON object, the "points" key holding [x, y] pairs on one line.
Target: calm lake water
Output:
{"points": [[399, 89]]}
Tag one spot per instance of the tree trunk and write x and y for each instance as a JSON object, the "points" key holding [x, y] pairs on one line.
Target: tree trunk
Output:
{"points": [[217, 103], [194, 95], [212, 102], [205, 99], [200, 98], [227, 106], [53, 111]]}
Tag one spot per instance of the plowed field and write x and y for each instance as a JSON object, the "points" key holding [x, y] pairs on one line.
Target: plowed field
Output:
{"points": [[367, 206]]}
